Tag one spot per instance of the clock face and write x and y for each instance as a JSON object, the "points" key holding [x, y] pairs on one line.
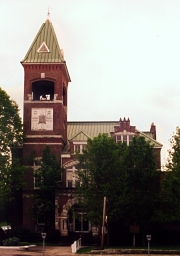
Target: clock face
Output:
{"points": [[42, 119]]}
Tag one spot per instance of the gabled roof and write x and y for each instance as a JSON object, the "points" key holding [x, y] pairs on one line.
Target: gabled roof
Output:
{"points": [[148, 137], [81, 131], [45, 47], [91, 129], [81, 136]]}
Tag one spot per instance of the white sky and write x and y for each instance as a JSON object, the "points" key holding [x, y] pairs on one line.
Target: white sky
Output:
{"points": [[123, 57]]}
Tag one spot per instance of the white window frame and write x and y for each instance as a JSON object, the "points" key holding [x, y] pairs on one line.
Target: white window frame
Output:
{"points": [[122, 139], [72, 172], [81, 145], [36, 166]]}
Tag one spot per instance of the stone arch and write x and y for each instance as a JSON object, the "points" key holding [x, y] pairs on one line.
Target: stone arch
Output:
{"points": [[64, 216], [67, 206]]}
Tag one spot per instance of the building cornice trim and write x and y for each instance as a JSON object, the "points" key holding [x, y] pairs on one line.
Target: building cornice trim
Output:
{"points": [[65, 155], [44, 136], [45, 143], [40, 101]]}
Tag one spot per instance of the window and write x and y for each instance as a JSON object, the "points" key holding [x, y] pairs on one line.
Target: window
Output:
{"points": [[118, 138], [72, 179], [43, 90], [40, 224], [37, 180], [40, 221], [130, 138], [127, 138], [77, 183], [84, 146], [78, 148], [69, 184]]}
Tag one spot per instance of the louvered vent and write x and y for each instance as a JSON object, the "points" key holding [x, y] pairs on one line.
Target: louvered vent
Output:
{"points": [[43, 48]]}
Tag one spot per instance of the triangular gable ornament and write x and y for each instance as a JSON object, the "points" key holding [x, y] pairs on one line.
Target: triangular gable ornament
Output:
{"points": [[43, 48]]}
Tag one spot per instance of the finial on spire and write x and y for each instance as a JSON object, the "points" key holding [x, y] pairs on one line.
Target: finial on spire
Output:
{"points": [[48, 14]]}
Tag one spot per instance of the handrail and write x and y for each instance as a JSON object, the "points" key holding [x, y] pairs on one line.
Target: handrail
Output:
{"points": [[76, 245]]}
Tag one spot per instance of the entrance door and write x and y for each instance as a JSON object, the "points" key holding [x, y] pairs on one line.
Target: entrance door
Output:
{"points": [[81, 224]]}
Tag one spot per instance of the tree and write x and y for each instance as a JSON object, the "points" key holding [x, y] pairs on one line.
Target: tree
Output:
{"points": [[169, 210], [102, 174], [11, 133], [170, 186], [173, 161], [47, 178], [11, 136], [143, 182]]}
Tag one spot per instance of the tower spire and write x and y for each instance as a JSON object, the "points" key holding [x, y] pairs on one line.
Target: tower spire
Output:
{"points": [[48, 14]]}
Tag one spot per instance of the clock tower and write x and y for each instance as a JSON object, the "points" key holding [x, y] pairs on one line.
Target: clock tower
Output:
{"points": [[46, 81]]}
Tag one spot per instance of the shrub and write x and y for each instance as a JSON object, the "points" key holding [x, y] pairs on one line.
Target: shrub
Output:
{"points": [[13, 241], [2, 235], [24, 243], [53, 236], [23, 234]]}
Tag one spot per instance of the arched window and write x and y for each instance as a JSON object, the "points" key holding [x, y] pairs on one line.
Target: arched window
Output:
{"points": [[43, 90]]}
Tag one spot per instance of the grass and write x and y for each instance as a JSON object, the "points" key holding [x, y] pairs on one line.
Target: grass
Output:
{"points": [[3, 224], [46, 244], [88, 249], [84, 250]]}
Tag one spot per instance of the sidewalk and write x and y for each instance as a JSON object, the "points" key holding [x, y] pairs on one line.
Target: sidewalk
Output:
{"points": [[66, 251], [37, 251]]}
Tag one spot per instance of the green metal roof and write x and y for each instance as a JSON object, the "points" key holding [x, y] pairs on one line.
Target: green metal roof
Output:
{"points": [[81, 131], [45, 47]]}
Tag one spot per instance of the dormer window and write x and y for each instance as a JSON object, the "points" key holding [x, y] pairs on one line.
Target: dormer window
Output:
{"points": [[78, 148], [126, 138]]}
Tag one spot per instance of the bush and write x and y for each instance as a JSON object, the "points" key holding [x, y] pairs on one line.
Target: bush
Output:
{"points": [[24, 243], [2, 235], [23, 234], [13, 241], [53, 236]]}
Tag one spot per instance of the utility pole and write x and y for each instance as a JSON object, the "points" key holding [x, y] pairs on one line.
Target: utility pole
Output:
{"points": [[103, 222]]}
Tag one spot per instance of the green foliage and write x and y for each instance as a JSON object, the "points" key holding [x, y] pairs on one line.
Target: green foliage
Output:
{"points": [[11, 133], [48, 177], [53, 236], [173, 163], [169, 209], [11, 179], [143, 181], [22, 233], [84, 250], [13, 241], [102, 174], [2, 235], [126, 175], [11, 137], [23, 243]]}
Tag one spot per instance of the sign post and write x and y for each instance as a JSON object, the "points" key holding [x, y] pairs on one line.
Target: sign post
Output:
{"points": [[43, 237], [103, 223], [149, 239], [134, 229]]}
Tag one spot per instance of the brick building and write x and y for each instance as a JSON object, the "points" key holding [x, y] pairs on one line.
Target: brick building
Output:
{"points": [[46, 81]]}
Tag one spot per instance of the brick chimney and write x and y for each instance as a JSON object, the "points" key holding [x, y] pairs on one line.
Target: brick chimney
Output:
{"points": [[153, 130]]}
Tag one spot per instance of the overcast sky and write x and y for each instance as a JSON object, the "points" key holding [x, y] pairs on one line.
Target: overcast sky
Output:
{"points": [[123, 57]]}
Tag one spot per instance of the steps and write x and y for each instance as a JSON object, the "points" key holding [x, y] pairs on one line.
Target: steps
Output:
{"points": [[86, 239]]}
